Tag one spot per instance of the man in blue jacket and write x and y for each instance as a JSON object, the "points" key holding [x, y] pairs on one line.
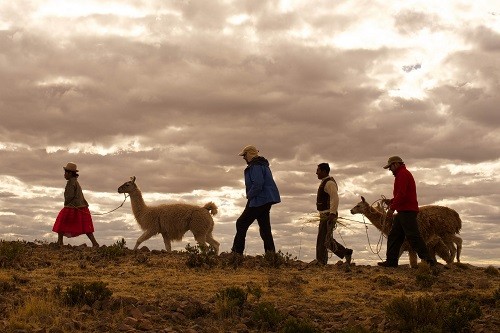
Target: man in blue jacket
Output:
{"points": [[262, 193]]}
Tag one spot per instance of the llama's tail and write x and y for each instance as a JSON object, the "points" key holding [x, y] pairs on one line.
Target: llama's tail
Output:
{"points": [[211, 207]]}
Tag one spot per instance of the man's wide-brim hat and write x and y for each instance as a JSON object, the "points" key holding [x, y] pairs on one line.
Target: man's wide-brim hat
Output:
{"points": [[70, 167], [393, 159], [249, 150]]}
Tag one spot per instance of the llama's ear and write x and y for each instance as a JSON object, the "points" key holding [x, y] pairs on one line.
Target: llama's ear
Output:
{"points": [[132, 179], [363, 199]]}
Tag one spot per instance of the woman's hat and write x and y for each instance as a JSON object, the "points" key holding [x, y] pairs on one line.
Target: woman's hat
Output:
{"points": [[70, 167]]}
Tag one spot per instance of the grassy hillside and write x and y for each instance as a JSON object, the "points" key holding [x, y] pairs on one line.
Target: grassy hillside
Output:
{"points": [[45, 288]]}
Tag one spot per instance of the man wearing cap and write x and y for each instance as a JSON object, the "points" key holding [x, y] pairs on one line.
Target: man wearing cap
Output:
{"points": [[327, 203], [405, 222], [261, 193]]}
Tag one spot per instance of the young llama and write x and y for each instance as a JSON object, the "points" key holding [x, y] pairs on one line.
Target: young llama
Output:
{"points": [[172, 221], [438, 226]]}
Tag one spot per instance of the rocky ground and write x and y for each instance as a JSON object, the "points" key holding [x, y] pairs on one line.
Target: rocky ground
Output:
{"points": [[42, 285]]}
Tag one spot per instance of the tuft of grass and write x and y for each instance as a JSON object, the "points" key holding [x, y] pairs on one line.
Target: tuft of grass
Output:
{"points": [[230, 301], [462, 266], [424, 314], [233, 260], [496, 297], [410, 314], [86, 293], [118, 249], [6, 286], [196, 309], [254, 290], [11, 253], [278, 259], [356, 329], [384, 280], [483, 283], [459, 312], [294, 325], [424, 277], [491, 270], [201, 256], [266, 317], [34, 312]]}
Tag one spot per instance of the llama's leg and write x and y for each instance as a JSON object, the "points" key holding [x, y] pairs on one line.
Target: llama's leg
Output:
{"points": [[457, 240], [167, 242], [201, 239], [435, 245], [443, 251], [451, 247], [215, 244], [200, 226], [411, 254], [413, 258], [145, 236]]}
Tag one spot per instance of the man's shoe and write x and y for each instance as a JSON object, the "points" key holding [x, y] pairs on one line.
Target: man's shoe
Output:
{"points": [[387, 264], [315, 262], [348, 256]]}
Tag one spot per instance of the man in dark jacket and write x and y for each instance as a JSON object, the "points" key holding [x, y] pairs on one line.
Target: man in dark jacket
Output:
{"points": [[405, 202], [261, 193], [327, 203]]}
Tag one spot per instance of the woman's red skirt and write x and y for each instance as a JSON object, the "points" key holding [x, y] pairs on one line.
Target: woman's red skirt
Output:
{"points": [[72, 222]]}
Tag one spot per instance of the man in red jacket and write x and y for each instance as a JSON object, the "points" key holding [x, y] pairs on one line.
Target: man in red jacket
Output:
{"points": [[405, 222]]}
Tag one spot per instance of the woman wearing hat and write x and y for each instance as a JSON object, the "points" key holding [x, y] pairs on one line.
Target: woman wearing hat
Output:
{"points": [[74, 219]]}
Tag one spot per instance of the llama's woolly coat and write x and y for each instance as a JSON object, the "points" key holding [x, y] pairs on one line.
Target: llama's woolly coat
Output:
{"points": [[172, 221], [438, 226], [175, 219]]}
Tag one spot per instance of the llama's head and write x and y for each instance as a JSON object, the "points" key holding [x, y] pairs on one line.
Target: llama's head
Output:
{"points": [[361, 207], [128, 187]]}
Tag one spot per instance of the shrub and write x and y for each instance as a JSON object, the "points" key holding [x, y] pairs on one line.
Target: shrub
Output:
{"points": [[114, 251], [459, 312], [230, 301], [424, 277], [195, 309], [6, 286], [491, 270], [409, 314], [254, 289], [462, 266], [266, 317], [278, 259], [294, 325], [201, 256], [424, 314], [33, 313], [233, 260], [11, 253], [384, 280], [357, 329], [86, 293], [496, 297]]}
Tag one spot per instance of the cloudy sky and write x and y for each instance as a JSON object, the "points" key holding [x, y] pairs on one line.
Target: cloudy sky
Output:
{"points": [[170, 91]]}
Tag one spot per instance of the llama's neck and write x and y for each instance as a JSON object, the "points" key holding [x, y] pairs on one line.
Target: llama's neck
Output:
{"points": [[138, 204], [377, 219]]}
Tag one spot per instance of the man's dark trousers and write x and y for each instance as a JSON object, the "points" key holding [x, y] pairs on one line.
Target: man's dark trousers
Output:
{"points": [[250, 214], [334, 246], [405, 224]]}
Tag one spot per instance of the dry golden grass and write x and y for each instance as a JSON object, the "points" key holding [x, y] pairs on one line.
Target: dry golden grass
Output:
{"points": [[157, 292]]}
